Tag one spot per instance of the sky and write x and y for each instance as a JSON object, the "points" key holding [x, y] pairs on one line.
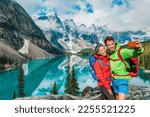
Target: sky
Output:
{"points": [[118, 15]]}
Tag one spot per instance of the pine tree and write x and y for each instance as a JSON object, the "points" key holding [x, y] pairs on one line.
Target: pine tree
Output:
{"points": [[21, 82], [72, 86], [14, 95], [68, 86], [75, 85], [54, 90]]}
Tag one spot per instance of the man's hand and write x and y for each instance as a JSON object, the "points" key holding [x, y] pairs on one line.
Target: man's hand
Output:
{"points": [[138, 45]]}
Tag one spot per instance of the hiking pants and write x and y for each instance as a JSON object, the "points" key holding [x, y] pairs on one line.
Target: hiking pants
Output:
{"points": [[105, 94]]}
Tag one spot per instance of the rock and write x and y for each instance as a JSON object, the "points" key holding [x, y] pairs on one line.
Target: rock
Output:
{"points": [[138, 92], [54, 97], [87, 91], [97, 92], [135, 93], [97, 97], [145, 94], [51, 97], [71, 97], [146, 98]]}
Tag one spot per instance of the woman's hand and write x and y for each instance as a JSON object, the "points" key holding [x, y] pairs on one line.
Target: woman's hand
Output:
{"points": [[110, 92]]}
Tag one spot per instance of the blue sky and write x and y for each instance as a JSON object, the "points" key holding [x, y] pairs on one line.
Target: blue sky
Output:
{"points": [[119, 14]]}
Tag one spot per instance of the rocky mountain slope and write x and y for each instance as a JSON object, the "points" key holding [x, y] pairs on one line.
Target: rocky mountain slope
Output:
{"points": [[61, 33], [16, 25], [10, 52]]}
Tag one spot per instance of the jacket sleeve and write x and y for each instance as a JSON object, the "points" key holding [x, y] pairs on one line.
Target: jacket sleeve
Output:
{"points": [[130, 53], [99, 74]]}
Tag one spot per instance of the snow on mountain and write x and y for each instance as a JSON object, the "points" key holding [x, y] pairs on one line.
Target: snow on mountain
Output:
{"points": [[64, 34], [30, 50], [68, 36], [49, 21], [74, 59], [83, 29], [70, 27], [25, 48], [75, 46]]}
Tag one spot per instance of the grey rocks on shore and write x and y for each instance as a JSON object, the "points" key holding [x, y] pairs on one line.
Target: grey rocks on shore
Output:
{"points": [[89, 93]]}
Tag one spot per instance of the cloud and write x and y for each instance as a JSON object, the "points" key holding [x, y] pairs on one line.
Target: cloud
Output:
{"points": [[131, 16], [30, 5], [121, 15]]}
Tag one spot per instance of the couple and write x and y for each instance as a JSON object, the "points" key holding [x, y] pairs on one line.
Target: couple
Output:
{"points": [[105, 67]]}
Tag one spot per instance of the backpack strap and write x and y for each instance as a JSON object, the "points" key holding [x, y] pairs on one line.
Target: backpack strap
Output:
{"points": [[120, 58], [100, 63]]}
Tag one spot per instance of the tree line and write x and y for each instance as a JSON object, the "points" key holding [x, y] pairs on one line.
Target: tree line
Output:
{"points": [[145, 57], [5, 60]]}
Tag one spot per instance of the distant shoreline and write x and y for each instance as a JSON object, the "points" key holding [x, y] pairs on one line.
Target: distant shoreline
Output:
{"points": [[147, 71]]}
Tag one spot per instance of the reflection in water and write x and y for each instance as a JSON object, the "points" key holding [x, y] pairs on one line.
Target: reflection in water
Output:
{"points": [[21, 83], [25, 68], [9, 79], [144, 76], [53, 74], [39, 76], [8, 83]]}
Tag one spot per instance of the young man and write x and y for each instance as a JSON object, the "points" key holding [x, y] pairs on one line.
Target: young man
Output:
{"points": [[121, 77], [102, 71]]}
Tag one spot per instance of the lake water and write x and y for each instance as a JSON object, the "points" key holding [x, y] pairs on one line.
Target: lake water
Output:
{"points": [[41, 74]]}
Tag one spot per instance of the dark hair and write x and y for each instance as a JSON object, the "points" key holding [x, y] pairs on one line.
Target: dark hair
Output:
{"points": [[108, 38], [97, 46]]}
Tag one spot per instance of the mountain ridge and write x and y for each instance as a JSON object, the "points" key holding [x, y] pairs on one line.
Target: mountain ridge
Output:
{"points": [[68, 30]]}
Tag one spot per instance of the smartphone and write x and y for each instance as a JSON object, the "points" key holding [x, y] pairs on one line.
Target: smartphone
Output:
{"points": [[132, 44]]}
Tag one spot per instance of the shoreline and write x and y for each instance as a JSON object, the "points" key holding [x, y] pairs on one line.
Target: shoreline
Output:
{"points": [[135, 93], [147, 71], [14, 67]]}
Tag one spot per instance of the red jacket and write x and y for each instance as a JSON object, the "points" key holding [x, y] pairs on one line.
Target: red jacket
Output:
{"points": [[102, 73]]}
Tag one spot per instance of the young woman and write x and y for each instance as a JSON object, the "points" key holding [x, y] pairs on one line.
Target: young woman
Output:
{"points": [[103, 72]]}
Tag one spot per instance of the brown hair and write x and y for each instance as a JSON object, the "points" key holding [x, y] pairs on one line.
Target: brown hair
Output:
{"points": [[108, 38]]}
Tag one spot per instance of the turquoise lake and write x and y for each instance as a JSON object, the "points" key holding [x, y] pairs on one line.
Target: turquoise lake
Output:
{"points": [[40, 75]]}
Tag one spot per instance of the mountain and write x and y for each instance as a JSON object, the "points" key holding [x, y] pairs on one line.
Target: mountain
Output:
{"points": [[70, 28], [66, 34], [52, 28], [16, 25], [62, 34]]}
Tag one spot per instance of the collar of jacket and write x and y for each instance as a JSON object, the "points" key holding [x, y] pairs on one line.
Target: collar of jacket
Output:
{"points": [[117, 47], [101, 57]]}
